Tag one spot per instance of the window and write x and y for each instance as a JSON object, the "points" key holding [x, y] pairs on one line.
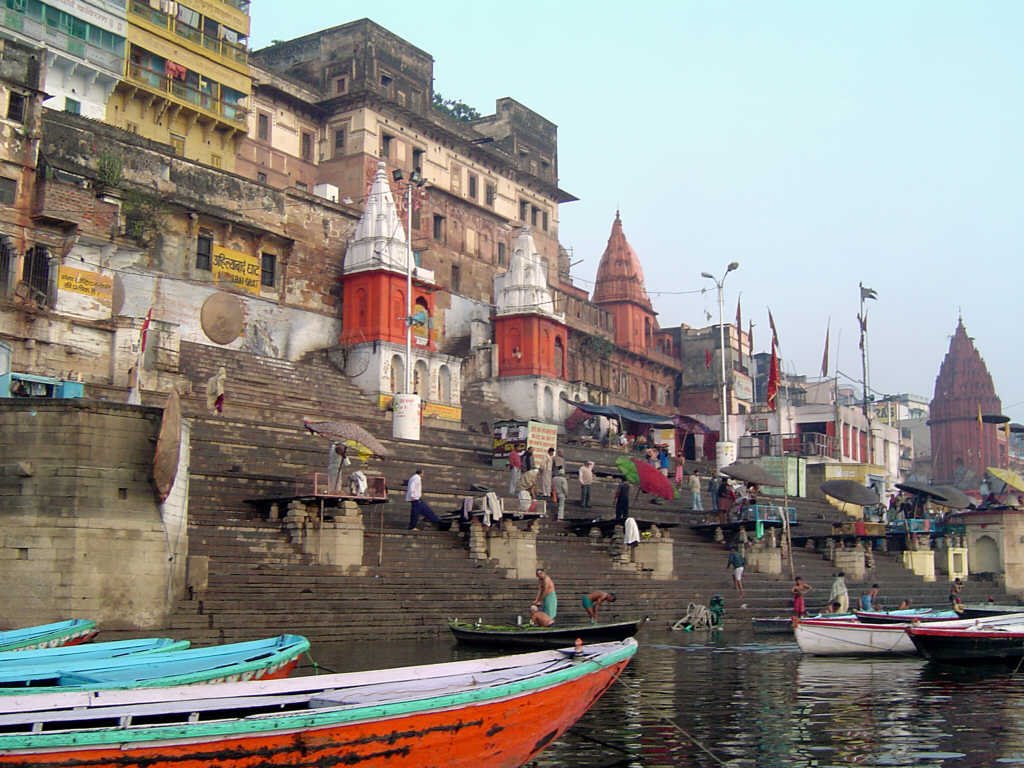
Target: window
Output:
{"points": [[544, 220], [216, 161], [36, 273], [501, 254], [385, 146], [8, 191], [178, 144], [438, 227], [417, 160], [415, 215], [16, 107], [204, 251], [261, 177], [302, 186], [341, 85], [456, 282], [339, 141], [263, 126], [268, 269], [131, 127], [471, 185], [386, 80], [534, 213], [307, 146], [490, 194], [524, 210], [72, 107]]}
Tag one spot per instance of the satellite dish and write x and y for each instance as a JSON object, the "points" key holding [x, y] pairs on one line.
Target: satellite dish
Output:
{"points": [[222, 318]]}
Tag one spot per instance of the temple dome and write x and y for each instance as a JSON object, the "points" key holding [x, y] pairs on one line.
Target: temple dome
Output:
{"points": [[619, 275]]}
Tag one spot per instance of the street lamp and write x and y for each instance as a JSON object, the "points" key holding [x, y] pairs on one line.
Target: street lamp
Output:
{"points": [[733, 265], [415, 180]]}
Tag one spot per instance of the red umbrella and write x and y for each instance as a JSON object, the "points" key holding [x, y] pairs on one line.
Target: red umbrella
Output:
{"points": [[652, 481]]}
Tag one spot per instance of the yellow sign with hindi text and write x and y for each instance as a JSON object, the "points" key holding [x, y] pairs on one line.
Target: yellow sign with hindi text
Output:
{"points": [[242, 270], [92, 284]]}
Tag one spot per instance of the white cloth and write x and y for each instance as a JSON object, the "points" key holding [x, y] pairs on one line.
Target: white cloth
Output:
{"points": [[357, 483], [632, 532], [414, 488], [493, 508]]}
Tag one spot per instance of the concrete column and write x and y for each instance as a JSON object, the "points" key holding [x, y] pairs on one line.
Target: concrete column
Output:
{"points": [[655, 554], [340, 543], [851, 563], [956, 562], [514, 550], [921, 562]]}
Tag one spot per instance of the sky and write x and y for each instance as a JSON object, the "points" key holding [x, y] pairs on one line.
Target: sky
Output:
{"points": [[820, 145]]}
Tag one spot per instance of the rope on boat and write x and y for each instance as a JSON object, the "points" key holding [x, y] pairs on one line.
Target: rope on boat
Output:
{"points": [[316, 666], [686, 734]]}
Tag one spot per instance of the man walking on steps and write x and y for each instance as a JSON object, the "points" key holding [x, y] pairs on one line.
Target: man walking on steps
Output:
{"points": [[737, 562], [417, 506]]}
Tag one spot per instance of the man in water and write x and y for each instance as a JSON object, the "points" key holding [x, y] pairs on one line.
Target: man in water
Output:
{"points": [[546, 597]]}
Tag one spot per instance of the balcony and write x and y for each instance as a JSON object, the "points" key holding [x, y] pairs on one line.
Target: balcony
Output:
{"points": [[219, 46], [61, 42], [790, 444], [157, 81]]}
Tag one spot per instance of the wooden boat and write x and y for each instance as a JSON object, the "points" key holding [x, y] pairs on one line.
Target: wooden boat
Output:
{"points": [[259, 659], [783, 625], [499, 712], [905, 616], [984, 610], [851, 638], [69, 632], [996, 638], [528, 636], [82, 651]]}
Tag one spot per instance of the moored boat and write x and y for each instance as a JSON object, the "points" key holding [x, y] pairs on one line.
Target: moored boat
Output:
{"points": [[82, 651], [68, 632], [905, 616], [259, 659], [528, 636], [499, 712], [985, 610], [997, 638], [851, 638]]}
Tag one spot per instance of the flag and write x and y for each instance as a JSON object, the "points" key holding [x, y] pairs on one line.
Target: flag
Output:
{"points": [[867, 293], [750, 338], [824, 357], [739, 317], [707, 358], [145, 331], [775, 333], [980, 421], [773, 378], [862, 320]]}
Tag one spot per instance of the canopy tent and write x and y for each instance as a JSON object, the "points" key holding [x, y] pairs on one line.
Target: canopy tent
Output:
{"points": [[625, 416]]}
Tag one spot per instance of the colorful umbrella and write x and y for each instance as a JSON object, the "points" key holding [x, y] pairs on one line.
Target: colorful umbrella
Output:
{"points": [[646, 476], [1007, 476], [356, 439]]}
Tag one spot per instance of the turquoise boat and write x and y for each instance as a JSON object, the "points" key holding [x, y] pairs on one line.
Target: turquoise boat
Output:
{"points": [[265, 659], [83, 651], [69, 632]]}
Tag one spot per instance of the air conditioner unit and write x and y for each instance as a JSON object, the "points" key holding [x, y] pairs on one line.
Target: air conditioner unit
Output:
{"points": [[328, 191]]}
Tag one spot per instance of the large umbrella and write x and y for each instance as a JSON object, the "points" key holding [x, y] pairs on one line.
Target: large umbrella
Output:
{"points": [[921, 489], [351, 435], [850, 492], [646, 476], [1007, 476], [955, 498], [750, 473]]}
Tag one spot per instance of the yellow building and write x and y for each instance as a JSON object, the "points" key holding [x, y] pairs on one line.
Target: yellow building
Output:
{"points": [[186, 77]]}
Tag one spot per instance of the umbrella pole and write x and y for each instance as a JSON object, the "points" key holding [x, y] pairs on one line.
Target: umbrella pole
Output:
{"points": [[320, 533], [380, 543]]}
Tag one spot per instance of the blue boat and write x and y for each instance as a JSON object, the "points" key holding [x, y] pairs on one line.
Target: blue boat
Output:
{"points": [[266, 659], [82, 651], [69, 632]]}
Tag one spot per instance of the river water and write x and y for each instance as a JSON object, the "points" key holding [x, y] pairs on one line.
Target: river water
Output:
{"points": [[708, 699]]}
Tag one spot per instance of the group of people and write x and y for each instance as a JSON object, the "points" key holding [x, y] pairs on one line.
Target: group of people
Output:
{"points": [[544, 477], [544, 608]]}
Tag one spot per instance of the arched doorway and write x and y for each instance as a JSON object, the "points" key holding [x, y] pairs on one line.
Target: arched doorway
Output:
{"points": [[984, 556], [421, 380], [444, 384], [397, 374], [549, 404]]}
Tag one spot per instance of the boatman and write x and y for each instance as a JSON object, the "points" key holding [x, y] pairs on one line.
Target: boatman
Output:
{"points": [[594, 600], [546, 597]]}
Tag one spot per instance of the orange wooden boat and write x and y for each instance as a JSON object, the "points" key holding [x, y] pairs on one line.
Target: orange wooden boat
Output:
{"points": [[498, 712]]}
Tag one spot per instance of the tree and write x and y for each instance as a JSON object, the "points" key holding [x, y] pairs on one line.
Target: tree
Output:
{"points": [[455, 109]]}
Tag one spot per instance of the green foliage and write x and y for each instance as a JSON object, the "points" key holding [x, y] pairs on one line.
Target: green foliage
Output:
{"points": [[455, 109], [109, 170], [144, 216], [596, 346]]}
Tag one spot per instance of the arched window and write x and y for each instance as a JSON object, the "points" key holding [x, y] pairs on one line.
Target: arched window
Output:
{"points": [[559, 358], [421, 380], [444, 384], [397, 374], [362, 308], [398, 310], [421, 322], [549, 404]]}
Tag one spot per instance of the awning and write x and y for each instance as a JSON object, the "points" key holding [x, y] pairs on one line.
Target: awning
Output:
{"points": [[625, 414]]}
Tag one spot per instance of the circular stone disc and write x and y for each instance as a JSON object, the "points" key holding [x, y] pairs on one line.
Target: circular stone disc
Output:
{"points": [[222, 318]]}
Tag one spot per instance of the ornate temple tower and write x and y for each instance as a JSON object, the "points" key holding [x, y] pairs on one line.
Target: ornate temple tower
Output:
{"points": [[962, 445], [619, 289], [531, 336]]}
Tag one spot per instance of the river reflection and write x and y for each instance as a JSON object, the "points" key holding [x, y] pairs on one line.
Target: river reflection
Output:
{"points": [[712, 699]]}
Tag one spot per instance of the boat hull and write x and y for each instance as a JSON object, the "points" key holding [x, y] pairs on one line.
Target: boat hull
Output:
{"points": [[968, 645], [542, 637], [847, 638], [56, 635], [505, 731]]}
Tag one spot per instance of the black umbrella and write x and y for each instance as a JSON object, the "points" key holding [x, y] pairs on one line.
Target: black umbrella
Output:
{"points": [[921, 489], [750, 473], [849, 491], [994, 418], [955, 498]]}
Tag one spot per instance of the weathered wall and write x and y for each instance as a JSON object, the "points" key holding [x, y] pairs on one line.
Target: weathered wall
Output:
{"points": [[82, 534]]}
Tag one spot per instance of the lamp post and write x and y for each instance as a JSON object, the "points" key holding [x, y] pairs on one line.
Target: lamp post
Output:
{"points": [[406, 419], [719, 284]]}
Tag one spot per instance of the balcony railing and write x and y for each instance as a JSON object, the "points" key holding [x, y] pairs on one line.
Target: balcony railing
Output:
{"points": [[220, 46], [789, 444], [158, 81]]}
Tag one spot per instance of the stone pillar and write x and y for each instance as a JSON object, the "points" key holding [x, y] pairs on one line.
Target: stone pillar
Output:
{"points": [[764, 558], [514, 550], [956, 562], [850, 562], [296, 521], [477, 540], [655, 554], [340, 543], [921, 562]]}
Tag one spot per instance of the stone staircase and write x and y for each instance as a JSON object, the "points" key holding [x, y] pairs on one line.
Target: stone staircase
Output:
{"points": [[412, 582]]}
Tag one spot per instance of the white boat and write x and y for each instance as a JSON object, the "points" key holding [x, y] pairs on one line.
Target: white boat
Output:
{"points": [[852, 638]]}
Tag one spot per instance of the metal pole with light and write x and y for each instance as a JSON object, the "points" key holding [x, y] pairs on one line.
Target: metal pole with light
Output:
{"points": [[719, 284], [407, 425]]}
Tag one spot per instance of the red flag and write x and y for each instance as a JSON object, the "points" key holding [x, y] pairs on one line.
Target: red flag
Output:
{"points": [[773, 378], [824, 357], [707, 358], [775, 333], [145, 330]]}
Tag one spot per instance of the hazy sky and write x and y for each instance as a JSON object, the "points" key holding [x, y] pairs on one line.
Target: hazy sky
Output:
{"points": [[818, 144]]}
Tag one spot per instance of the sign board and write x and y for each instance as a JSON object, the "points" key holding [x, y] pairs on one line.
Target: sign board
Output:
{"points": [[507, 436], [541, 436], [242, 270], [742, 387], [665, 437], [92, 284]]}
